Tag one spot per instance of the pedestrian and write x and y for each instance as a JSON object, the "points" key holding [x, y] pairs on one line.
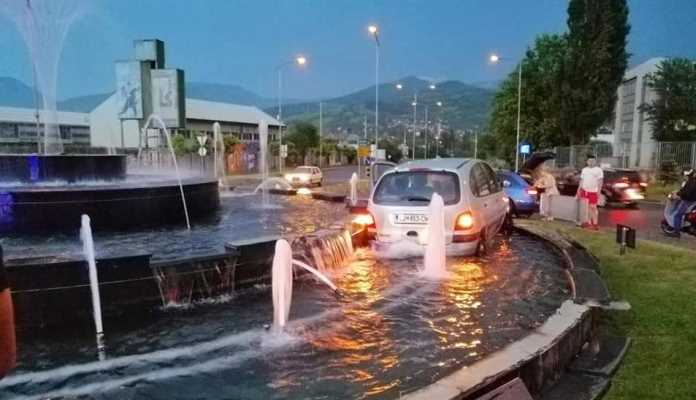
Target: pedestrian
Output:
{"points": [[686, 197], [590, 186], [545, 182]]}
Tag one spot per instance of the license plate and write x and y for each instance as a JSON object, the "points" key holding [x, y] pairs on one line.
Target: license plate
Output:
{"points": [[419, 219]]}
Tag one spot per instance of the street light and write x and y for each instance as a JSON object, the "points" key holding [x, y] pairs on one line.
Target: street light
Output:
{"points": [[300, 61], [431, 86], [374, 31], [494, 59]]}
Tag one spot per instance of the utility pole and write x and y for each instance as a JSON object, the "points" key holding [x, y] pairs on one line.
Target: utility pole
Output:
{"points": [[321, 126]]}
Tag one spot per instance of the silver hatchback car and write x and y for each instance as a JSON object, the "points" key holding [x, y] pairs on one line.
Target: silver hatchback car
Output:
{"points": [[475, 204]]}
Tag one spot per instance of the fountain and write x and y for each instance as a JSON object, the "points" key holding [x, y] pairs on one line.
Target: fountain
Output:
{"points": [[354, 189], [88, 251], [44, 26], [168, 136], [282, 282], [435, 258]]}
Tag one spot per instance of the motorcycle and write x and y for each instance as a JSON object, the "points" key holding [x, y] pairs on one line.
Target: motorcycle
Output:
{"points": [[688, 223]]}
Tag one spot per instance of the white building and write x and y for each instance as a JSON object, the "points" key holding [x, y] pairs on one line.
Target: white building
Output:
{"points": [[632, 133], [238, 120], [18, 128], [102, 128]]}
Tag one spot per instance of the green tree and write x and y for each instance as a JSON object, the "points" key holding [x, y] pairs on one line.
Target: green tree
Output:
{"points": [[392, 149], [541, 100], [594, 65], [304, 136], [672, 113]]}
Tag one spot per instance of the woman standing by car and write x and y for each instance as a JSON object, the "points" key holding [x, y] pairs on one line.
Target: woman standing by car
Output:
{"points": [[546, 183]]}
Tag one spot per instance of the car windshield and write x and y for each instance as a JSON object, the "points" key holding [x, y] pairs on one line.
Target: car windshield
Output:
{"points": [[303, 170], [415, 188]]}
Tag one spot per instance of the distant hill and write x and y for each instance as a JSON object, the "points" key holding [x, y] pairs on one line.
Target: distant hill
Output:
{"points": [[15, 93], [83, 103], [463, 106]]}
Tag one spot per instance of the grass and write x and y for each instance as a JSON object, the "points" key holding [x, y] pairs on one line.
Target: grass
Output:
{"points": [[660, 283], [658, 191]]}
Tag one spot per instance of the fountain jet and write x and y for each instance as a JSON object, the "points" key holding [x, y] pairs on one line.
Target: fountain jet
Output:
{"points": [[353, 189], [88, 250], [44, 26], [435, 257], [281, 281]]}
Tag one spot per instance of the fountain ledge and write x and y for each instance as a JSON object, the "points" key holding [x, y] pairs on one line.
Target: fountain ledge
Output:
{"points": [[539, 359]]}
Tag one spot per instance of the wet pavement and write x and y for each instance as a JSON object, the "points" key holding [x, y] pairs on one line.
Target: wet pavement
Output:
{"points": [[646, 220]]}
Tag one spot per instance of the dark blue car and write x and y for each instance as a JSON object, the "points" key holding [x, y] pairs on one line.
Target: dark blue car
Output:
{"points": [[523, 197]]}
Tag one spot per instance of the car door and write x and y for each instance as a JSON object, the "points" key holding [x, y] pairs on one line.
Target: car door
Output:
{"points": [[481, 192], [496, 204]]}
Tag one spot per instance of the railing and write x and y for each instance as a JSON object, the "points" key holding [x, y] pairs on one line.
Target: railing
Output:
{"points": [[678, 154], [606, 153]]}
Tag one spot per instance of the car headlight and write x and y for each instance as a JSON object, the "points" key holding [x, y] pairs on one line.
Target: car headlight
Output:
{"points": [[304, 178], [288, 177]]}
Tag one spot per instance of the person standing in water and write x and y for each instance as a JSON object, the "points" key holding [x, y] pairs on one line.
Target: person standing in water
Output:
{"points": [[546, 183], [7, 329], [591, 181]]}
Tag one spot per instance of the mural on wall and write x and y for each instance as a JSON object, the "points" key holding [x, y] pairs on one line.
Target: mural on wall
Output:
{"points": [[243, 158]]}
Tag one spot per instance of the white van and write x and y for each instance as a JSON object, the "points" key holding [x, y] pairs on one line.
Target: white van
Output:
{"points": [[475, 204]]}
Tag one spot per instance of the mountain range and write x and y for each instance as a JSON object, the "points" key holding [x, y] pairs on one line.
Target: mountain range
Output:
{"points": [[463, 105]]}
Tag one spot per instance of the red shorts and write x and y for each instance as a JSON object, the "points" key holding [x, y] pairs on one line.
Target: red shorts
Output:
{"points": [[592, 197]]}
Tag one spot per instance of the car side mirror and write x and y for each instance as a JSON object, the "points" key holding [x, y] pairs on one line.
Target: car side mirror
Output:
{"points": [[506, 183]]}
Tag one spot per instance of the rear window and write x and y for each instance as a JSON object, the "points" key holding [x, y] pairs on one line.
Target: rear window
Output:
{"points": [[415, 188]]}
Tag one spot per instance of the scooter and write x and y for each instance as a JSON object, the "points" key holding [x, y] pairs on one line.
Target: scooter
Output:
{"points": [[689, 222]]}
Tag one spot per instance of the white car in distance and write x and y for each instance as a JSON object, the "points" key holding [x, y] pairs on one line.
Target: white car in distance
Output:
{"points": [[305, 176], [475, 204]]}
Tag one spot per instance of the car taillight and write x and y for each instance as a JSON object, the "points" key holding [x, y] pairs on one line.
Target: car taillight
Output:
{"points": [[691, 217], [643, 184], [621, 185], [532, 192], [464, 221], [364, 219]]}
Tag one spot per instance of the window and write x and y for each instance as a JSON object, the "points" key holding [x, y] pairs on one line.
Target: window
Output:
{"points": [[493, 182], [479, 181], [8, 130], [415, 188]]}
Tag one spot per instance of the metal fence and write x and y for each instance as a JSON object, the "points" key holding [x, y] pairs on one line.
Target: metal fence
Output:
{"points": [[678, 154], [606, 153]]}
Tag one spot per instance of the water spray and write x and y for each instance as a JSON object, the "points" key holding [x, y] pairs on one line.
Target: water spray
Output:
{"points": [[88, 250]]}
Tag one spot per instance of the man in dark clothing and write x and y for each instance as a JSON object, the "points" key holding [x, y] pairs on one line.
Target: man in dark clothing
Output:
{"points": [[687, 198]]}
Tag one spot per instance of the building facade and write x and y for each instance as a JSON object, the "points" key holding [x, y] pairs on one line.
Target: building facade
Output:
{"points": [[631, 135], [236, 120], [19, 134]]}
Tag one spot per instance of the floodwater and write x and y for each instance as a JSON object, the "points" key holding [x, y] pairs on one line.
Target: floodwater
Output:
{"points": [[390, 332], [240, 217]]}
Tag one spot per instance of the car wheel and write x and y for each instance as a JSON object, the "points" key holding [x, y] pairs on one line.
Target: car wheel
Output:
{"points": [[482, 246], [320, 182], [508, 225]]}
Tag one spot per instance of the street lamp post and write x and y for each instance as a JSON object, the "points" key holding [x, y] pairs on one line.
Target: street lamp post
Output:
{"points": [[300, 61], [494, 59], [374, 31], [399, 86]]}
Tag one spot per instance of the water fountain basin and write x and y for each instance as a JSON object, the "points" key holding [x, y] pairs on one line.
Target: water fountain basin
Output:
{"points": [[36, 168], [133, 202]]}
